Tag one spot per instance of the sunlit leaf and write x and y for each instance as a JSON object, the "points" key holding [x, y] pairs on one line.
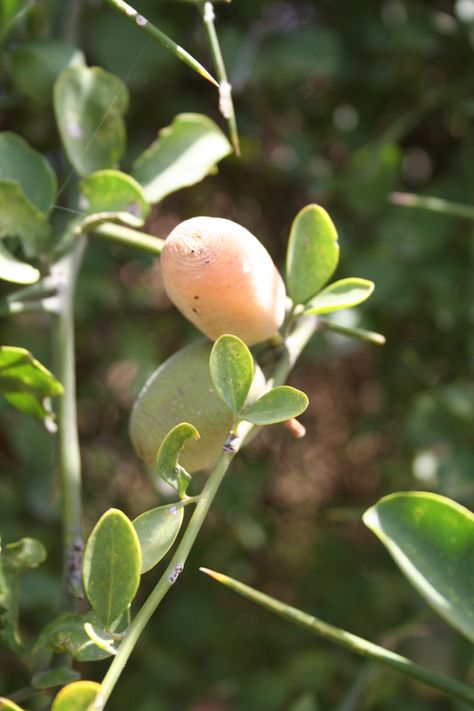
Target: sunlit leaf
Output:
{"points": [[232, 371], [77, 696], [25, 383], [313, 253], [111, 566], [342, 294], [281, 403], [114, 193], [184, 153], [89, 105], [7, 705], [431, 538], [14, 271], [157, 530]]}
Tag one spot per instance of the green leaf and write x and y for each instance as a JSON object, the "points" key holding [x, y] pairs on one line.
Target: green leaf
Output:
{"points": [[157, 530], [89, 105], [281, 403], [431, 538], [111, 566], [77, 696], [342, 294], [313, 253], [23, 164], [113, 192], [59, 676], [15, 559], [183, 154], [13, 270], [167, 466], [25, 383], [20, 218], [7, 705], [36, 66], [66, 634], [232, 371]]}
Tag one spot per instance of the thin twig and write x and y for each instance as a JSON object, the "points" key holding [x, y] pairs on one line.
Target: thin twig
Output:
{"points": [[434, 204], [157, 35], [350, 641], [226, 104]]}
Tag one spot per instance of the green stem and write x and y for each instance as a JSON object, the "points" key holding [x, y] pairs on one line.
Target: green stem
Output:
{"points": [[129, 237], [66, 271], [226, 104], [350, 641], [157, 35], [433, 204], [294, 345]]}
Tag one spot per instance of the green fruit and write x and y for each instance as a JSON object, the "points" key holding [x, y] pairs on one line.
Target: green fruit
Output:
{"points": [[181, 390]]}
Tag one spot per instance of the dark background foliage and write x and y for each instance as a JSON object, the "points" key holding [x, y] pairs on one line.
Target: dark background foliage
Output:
{"points": [[339, 103]]}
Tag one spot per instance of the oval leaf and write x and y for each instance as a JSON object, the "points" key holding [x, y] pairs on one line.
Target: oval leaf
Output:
{"points": [[77, 696], [431, 538], [53, 677], [21, 218], [168, 454], [341, 295], [111, 566], [14, 271], [36, 66], [23, 164], [7, 705], [89, 105], [232, 371], [183, 154], [281, 403], [313, 253], [157, 530], [113, 192]]}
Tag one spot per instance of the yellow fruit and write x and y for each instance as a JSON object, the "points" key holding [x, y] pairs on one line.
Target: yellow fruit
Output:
{"points": [[181, 391], [223, 279]]}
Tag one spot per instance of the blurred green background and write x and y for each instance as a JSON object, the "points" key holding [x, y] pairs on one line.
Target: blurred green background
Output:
{"points": [[338, 102]]}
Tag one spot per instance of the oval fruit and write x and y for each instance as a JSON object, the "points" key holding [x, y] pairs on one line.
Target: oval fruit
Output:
{"points": [[181, 390], [223, 279]]}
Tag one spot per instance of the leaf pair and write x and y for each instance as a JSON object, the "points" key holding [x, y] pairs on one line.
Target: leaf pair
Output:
{"points": [[313, 255], [232, 372], [118, 551]]}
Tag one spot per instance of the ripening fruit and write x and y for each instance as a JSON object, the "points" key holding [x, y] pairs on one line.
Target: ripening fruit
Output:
{"points": [[223, 279], [181, 391]]}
